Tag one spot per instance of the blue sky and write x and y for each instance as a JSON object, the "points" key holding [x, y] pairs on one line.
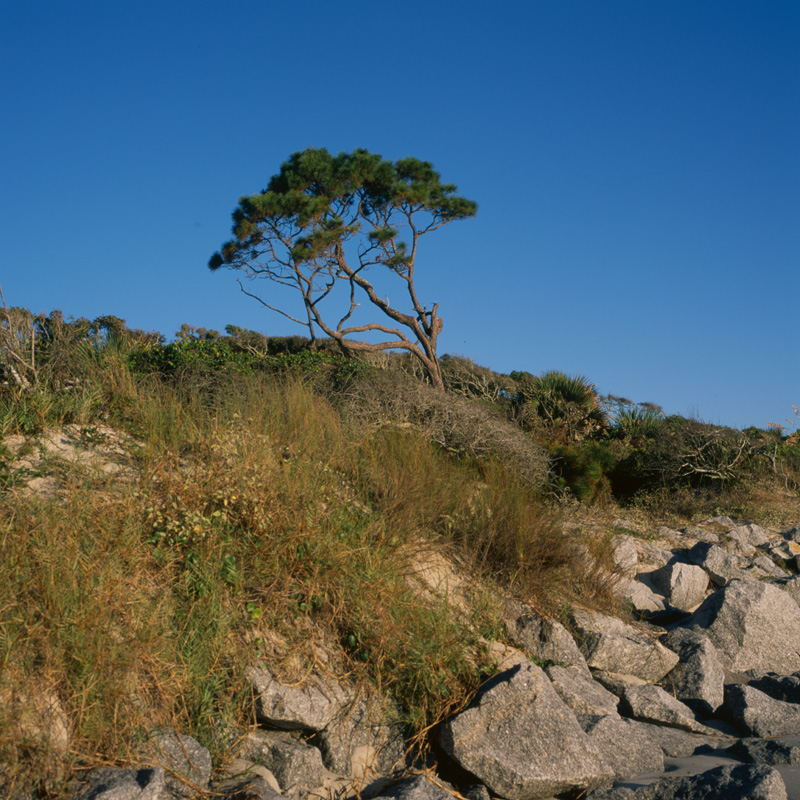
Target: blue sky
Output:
{"points": [[636, 164]]}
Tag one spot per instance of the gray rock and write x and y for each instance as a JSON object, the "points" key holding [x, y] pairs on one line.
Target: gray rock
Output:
{"points": [[238, 769], [749, 534], [186, 762], [477, 792], [737, 545], [622, 745], [786, 688], [724, 521], [721, 566], [650, 703], [609, 644], [252, 787], [502, 656], [363, 741], [654, 555], [122, 784], [792, 534], [522, 741], [769, 567], [418, 787], [765, 751], [702, 534], [610, 793], [683, 585], [582, 694], [615, 683], [545, 639], [753, 625], [675, 538], [640, 596], [757, 714], [297, 766], [308, 707], [789, 585], [781, 551], [739, 782], [674, 742], [624, 554], [698, 679]]}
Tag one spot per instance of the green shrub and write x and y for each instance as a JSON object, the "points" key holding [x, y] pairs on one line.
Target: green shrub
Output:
{"points": [[586, 469], [214, 358], [633, 422], [687, 452], [567, 408]]}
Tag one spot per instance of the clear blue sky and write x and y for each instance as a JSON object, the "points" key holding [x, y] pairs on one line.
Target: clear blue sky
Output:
{"points": [[636, 163]]}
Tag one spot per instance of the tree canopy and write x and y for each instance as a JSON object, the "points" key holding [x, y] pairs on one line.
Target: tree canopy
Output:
{"points": [[319, 226]]}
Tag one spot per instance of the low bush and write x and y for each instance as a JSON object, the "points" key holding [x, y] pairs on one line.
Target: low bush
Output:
{"points": [[586, 469], [462, 376], [456, 424], [688, 452], [558, 407]]}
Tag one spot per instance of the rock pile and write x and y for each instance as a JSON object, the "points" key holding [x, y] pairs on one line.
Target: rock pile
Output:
{"points": [[711, 664]]}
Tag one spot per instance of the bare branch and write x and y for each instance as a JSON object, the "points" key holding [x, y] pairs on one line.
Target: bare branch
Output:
{"points": [[267, 305]]}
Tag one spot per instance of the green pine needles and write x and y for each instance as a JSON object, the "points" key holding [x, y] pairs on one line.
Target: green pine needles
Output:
{"points": [[323, 221]]}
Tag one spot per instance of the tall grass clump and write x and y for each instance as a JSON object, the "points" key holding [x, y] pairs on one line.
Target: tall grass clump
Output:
{"points": [[499, 523], [458, 425], [271, 516]]}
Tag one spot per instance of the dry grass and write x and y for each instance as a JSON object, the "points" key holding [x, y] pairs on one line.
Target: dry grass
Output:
{"points": [[456, 424], [255, 516]]}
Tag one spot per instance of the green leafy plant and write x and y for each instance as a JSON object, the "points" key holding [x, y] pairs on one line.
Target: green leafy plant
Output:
{"points": [[567, 406], [633, 422]]}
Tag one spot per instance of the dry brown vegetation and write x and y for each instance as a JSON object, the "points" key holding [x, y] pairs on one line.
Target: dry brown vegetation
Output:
{"points": [[288, 516]]}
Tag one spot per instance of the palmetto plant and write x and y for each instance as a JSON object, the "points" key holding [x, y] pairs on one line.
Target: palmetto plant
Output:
{"points": [[634, 422], [566, 403]]}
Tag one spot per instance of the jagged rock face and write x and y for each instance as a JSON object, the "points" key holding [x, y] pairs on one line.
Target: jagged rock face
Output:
{"points": [[674, 743], [721, 566], [247, 787], [766, 751], [786, 688], [625, 555], [650, 703], [753, 625], [758, 714], [418, 788], [363, 741], [640, 596], [184, 759], [309, 707], [582, 694], [623, 746], [749, 534], [522, 741], [699, 678], [683, 585], [544, 639], [297, 766], [123, 784], [609, 644], [742, 782], [791, 586]]}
